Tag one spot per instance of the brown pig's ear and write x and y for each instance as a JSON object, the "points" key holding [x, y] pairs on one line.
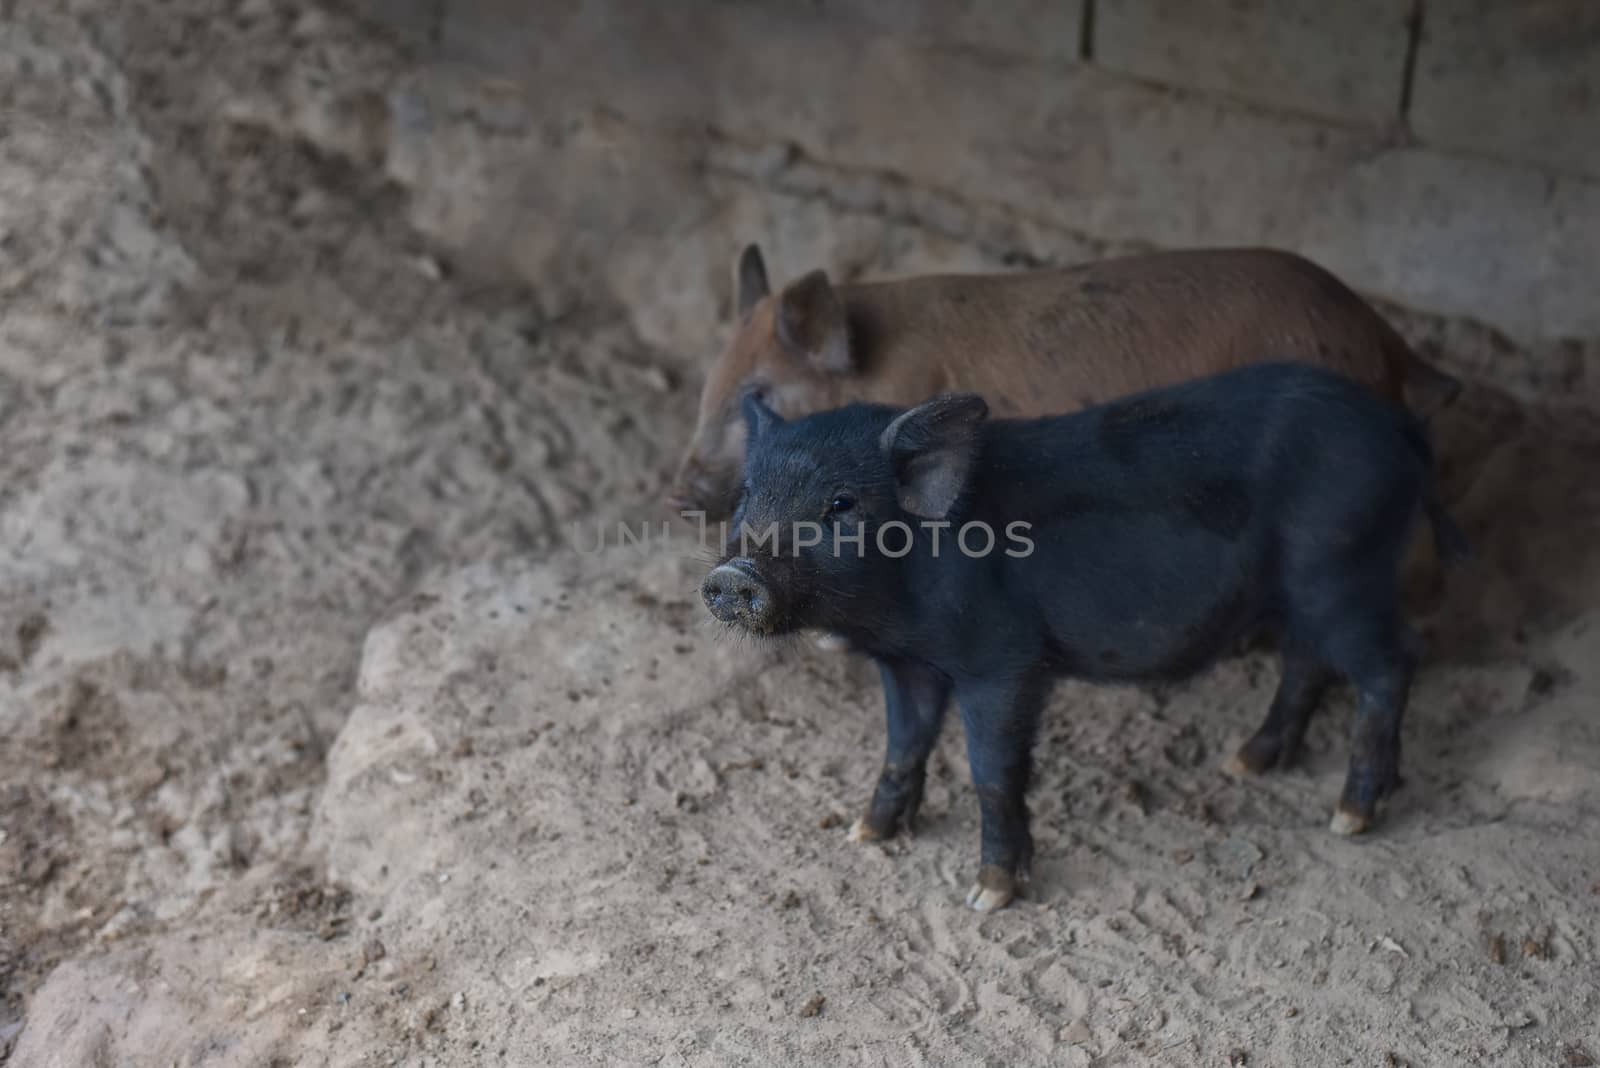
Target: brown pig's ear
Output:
{"points": [[933, 448], [752, 279], [812, 323], [758, 418]]}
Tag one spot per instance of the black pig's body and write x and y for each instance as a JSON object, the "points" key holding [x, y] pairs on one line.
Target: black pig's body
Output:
{"points": [[1163, 528]]}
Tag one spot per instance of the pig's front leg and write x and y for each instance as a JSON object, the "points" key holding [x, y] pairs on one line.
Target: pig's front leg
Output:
{"points": [[1000, 722], [914, 700]]}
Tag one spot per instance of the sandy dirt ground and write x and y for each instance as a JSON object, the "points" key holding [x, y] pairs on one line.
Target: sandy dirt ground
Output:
{"points": [[320, 744]]}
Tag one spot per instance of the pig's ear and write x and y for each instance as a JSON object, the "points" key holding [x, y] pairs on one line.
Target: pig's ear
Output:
{"points": [[752, 279], [758, 418], [812, 324], [932, 448]]}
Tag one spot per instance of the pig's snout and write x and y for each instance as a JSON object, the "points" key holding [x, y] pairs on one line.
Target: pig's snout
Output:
{"points": [[736, 594]]}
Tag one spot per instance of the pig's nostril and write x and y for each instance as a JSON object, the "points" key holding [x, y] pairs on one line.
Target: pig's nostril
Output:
{"points": [[734, 595]]}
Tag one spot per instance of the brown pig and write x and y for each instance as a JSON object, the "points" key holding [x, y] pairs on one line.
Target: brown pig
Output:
{"points": [[1033, 343]]}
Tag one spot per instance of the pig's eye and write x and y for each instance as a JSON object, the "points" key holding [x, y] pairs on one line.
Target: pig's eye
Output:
{"points": [[841, 504]]}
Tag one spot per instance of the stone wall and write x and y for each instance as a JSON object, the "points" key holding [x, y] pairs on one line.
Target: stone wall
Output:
{"points": [[1441, 155]]}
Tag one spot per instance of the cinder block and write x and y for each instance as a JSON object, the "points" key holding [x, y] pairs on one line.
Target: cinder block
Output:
{"points": [[1047, 30], [1343, 59], [1516, 80], [1499, 243], [1091, 152]]}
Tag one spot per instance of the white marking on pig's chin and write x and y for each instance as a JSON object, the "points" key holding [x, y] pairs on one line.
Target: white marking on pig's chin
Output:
{"points": [[832, 643]]}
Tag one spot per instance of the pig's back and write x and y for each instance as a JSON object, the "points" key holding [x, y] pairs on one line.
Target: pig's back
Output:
{"points": [[1045, 342], [1222, 452]]}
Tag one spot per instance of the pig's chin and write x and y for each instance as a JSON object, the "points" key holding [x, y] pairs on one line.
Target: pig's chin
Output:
{"points": [[791, 619], [766, 632]]}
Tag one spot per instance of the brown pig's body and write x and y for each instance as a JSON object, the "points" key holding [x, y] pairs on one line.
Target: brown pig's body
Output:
{"points": [[1035, 343]]}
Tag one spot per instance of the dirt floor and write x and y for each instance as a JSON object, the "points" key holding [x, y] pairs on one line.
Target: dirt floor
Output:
{"points": [[320, 744]]}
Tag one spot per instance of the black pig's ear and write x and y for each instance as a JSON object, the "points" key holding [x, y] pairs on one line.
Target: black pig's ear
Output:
{"points": [[752, 279], [933, 447], [812, 323], [758, 418]]}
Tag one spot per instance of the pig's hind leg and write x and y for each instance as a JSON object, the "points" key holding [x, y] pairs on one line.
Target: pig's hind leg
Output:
{"points": [[1360, 635], [915, 697], [1276, 743], [1383, 681]]}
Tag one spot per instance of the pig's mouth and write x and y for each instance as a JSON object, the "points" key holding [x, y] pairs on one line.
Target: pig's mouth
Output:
{"points": [[736, 593]]}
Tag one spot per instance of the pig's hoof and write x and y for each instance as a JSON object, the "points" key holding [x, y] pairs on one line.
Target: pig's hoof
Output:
{"points": [[862, 831], [1257, 755], [1238, 767], [1346, 823], [833, 643], [987, 899], [994, 889]]}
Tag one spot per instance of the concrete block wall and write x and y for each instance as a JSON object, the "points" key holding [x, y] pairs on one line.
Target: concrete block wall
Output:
{"points": [[1443, 155], [1519, 81], [1345, 61]]}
